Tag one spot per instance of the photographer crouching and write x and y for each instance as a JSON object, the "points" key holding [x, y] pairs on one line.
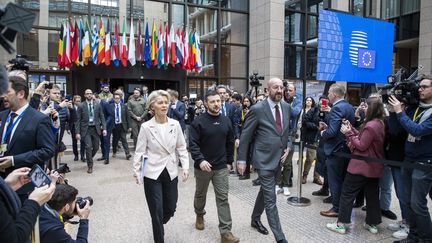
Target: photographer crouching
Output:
{"points": [[417, 121], [63, 205]]}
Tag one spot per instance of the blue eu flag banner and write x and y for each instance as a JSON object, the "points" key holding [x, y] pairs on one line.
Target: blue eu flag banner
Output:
{"points": [[354, 49]]}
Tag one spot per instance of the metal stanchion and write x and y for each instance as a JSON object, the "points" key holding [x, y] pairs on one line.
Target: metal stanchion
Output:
{"points": [[299, 200]]}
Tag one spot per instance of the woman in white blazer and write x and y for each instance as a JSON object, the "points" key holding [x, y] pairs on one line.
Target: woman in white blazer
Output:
{"points": [[160, 146]]}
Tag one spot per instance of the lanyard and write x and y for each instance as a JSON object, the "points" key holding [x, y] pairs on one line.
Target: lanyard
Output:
{"points": [[415, 117], [10, 129]]}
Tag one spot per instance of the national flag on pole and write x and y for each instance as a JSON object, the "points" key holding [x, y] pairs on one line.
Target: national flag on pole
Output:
{"points": [[139, 43], [108, 45], [95, 43], [192, 52], [173, 51], [160, 47], [64, 56], [71, 42], [124, 50], [68, 46], [198, 64], [147, 50], [185, 40], [167, 45], [101, 47], [179, 48], [116, 52], [154, 45], [76, 37], [80, 46], [131, 53], [60, 47], [86, 45]]}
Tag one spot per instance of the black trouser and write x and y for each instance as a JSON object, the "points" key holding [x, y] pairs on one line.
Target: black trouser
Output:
{"points": [[119, 134], [92, 144], [161, 195], [352, 185]]}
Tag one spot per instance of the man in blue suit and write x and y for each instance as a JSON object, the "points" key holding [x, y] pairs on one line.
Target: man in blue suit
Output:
{"points": [[177, 109], [334, 141], [109, 120], [26, 135]]}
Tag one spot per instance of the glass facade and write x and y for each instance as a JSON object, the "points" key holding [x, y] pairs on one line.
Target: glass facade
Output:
{"points": [[405, 14], [222, 26]]}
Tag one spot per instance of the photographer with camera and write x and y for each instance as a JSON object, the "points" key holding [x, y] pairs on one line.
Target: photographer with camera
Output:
{"points": [[417, 121], [63, 205]]}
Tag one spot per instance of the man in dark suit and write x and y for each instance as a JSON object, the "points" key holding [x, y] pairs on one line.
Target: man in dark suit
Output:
{"points": [[267, 124], [73, 119], [26, 134], [89, 126], [122, 125], [227, 109], [109, 121], [177, 109], [334, 141]]}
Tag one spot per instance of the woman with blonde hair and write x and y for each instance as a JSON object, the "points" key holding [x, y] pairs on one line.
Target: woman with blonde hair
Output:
{"points": [[160, 146]]}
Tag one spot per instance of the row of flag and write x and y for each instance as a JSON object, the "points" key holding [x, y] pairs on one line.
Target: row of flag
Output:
{"points": [[78, 45]]}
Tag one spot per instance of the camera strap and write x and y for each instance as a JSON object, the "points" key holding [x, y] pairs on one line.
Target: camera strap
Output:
{"points": [[424, 115]]}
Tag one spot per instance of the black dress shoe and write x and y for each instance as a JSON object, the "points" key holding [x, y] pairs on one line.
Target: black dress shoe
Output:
{"points": [[388, 214], [328, 200], [106, 161], [259, 227], [358, 205], [321, 192], [83, 159], [128, 156], [244, 177], [256, 182], [100, 159], [282, 241], [76, 158]]}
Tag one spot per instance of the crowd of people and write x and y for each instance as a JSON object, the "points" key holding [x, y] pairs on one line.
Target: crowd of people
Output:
{"points": [[226, 134]]}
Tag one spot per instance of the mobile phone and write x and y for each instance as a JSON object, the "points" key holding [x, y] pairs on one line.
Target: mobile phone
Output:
{"points": [[38, 176], [363, 100], [324, 103]]}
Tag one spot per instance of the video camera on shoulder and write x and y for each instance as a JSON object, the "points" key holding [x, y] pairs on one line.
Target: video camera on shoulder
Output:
{"points": [[404, 89]]}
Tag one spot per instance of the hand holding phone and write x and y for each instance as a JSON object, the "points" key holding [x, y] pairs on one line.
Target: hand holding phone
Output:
{"points": [[38, 176], [324, 103]]}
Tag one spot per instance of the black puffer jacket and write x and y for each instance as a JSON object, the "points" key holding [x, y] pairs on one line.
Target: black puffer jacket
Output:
{"points": [[310, 124]]}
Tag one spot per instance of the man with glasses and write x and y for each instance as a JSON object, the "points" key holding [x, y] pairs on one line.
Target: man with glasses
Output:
{"points": [[417, 121], [89, 126]]}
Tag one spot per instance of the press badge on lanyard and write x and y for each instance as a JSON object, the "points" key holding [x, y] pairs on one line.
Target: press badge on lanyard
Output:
{"points": [[411, 138], [3, 145]]}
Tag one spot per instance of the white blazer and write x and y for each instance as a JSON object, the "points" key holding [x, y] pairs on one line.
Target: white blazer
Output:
{"points": [[158, 154]]}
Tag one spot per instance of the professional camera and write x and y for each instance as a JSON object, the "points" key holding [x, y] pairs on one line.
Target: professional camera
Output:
{"points": [[19, 63], [82, 201], [255, 79], [63, 169], [404, 89]]}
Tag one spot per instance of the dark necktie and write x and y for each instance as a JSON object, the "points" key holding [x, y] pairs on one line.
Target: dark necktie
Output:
{"points": [[12, 116], [278, 119], [117, 114]]}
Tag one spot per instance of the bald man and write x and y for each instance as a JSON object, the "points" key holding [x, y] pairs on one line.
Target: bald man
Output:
{"points": [[89, 126], [267, 123]]}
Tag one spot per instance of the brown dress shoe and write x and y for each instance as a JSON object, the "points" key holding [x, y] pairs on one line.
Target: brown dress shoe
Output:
{"points": [[304, 179], [199, 224], [229, 238], [90, 170], [317, 181], [329, 213]]}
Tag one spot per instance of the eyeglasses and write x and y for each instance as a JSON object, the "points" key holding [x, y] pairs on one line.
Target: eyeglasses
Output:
{"points": [[423, 87]]}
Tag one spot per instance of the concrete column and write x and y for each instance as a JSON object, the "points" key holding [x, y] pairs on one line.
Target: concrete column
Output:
{"points": [[43, 34], [425, 38], [342, 5], [122, 11], [266, 38]]}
